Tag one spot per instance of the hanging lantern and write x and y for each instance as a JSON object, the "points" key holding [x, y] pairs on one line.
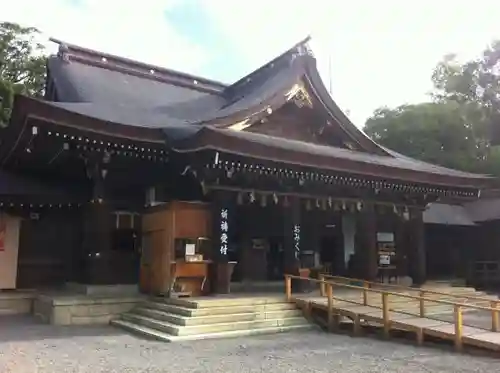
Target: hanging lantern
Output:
{"points": [[330, 202], [308, 205], [263, 200], [252, 197], [406, 214], [203, 187], [275, 198], [359, 205]]}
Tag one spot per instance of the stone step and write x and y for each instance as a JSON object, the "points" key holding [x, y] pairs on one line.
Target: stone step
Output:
{"points": [[208, 302], [214, 319], [221, 310], [161, 336], [177, 330]]}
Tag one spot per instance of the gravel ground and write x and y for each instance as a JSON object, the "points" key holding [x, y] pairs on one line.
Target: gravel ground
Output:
{"points": [[26, 346]]}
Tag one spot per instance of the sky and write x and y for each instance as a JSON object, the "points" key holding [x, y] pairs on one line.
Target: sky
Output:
{"points": [[371, 53]]}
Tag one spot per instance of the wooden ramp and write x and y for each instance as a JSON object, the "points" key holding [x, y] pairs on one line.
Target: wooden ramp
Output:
{"points": [[460, 318]]}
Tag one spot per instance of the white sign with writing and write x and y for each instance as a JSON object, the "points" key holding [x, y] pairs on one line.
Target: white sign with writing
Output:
{"points": [[296, 240], [224, 230], [384, 260], [385, 237], [190, 249]]}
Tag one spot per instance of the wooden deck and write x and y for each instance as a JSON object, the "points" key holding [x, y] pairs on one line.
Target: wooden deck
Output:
{"points": [[459, 317]]}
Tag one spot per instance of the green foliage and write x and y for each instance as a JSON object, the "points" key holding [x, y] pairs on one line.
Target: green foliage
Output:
{"points": [[433, 132], [22, 65], [454, 129]]}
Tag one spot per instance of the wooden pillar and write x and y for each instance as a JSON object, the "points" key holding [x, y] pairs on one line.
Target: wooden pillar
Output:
{"points": [[99, 262], [292, 240], [311, 224], [366, 242], [222, 220], [417, 246], [402, 245]]}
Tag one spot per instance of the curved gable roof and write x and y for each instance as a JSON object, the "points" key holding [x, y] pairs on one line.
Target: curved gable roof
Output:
{"points": [[118, 91]]}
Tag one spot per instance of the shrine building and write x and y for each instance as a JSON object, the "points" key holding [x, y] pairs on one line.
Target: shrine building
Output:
{"points": [[127, 173]]}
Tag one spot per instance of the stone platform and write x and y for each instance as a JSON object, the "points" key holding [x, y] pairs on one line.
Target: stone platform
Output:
{"points": [[82, 304], [80, 309], [14, 302], [73, 304]]}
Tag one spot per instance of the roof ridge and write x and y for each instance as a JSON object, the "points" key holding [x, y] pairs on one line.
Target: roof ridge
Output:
{"points": [[247, 78], [123, 62], [170, 79]]}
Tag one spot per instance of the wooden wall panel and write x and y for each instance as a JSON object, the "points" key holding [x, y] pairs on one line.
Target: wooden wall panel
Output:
{"points": [[50, 250], [9, 251], [191, 221]]}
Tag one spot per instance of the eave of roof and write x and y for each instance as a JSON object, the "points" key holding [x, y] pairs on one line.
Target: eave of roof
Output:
{"points": [[326, 157], [193, 138], [13, 185], [51, 112]]}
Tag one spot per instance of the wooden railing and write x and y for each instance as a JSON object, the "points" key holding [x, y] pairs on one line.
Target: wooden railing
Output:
{"points": [[458, 307], [494, 303]]}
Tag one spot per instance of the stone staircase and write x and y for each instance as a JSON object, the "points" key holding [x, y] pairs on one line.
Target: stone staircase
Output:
{"points": [[181, 319]]}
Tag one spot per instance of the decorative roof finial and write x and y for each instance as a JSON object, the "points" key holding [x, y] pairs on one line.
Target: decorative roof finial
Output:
{"points": [[63, 52]]}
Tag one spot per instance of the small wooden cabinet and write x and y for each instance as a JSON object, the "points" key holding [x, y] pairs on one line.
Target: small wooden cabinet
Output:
{"points": [[162, 227]]}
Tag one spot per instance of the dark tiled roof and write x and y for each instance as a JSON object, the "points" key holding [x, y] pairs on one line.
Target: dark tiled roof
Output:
{"points": [[76, 81], [124, 92], [145, 101], [152, 72]]}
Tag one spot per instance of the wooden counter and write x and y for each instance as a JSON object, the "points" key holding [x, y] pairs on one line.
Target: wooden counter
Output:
{"points": [[190, 277], [161, 226]]}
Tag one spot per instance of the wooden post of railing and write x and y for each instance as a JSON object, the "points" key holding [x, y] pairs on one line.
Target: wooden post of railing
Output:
{"points": [[321, 285], [458, 327], [366, 285], [288, 288], [422, 303], [385, 314], [494, 316], [329, 294]]}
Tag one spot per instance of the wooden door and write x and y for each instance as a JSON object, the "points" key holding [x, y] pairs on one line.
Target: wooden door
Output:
{"points": [[156, 252]]}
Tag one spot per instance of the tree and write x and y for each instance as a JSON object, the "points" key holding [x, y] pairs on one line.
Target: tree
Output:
{"points": [[22, 65], [454, 129], [475, 84], [433, 132]]}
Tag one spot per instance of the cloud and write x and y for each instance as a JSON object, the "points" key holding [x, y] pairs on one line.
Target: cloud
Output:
{"points": [[381, 52], [133, 29]]}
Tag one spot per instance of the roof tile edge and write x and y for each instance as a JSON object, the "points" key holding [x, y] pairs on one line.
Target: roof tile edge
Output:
{"points": [[137, 66]]}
